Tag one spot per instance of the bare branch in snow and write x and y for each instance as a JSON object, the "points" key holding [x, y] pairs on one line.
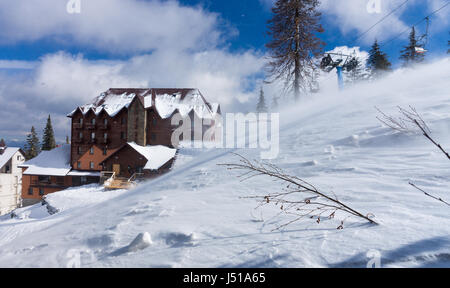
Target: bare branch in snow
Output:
{"points": [[297, 197], [428, 194], [412, 122]]}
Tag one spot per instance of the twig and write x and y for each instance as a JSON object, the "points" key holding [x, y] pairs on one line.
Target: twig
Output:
{"points": [[313, 206], [411, 121], [429, 195], [408, 123]]}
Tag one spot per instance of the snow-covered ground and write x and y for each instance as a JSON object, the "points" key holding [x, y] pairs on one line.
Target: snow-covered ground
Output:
{"points": [[195, 216]]}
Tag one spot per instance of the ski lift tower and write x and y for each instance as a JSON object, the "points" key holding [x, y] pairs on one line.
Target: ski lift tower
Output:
{"points": [[339, 61]]}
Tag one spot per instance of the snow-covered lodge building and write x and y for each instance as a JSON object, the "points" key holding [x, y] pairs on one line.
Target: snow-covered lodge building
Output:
{"points": [[123, 131], [50, 172], [10, 178], [140, 116]]}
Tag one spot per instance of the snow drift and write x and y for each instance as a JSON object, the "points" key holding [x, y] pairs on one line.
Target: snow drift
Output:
{"points": [[196, 218]]}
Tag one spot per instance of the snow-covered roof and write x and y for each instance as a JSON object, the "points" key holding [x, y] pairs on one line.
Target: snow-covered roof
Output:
{"points": [[50, 163], [7, 154], [84, 173], [165, 101], [157, 156]]}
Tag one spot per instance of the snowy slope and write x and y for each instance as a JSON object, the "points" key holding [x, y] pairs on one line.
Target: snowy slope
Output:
{"points": [[195, 217]]}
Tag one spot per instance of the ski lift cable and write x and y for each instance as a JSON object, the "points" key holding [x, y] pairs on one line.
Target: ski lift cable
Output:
{"points": [[419, 22], [381, 20]]}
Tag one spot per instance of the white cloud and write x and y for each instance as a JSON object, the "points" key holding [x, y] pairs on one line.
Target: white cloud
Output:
{"points": [[169, 46], [267, 3], [116, 26], [443, 16], [61, 82], [352, 15]]}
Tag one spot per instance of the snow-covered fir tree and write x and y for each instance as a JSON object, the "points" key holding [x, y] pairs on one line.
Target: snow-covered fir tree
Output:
{"points": [[274, 107], [261, 107], [378, 62], [32, 148], [409, 54], [358, 73]]}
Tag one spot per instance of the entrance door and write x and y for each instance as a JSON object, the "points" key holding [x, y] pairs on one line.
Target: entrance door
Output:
{"points": [[116, 169]]}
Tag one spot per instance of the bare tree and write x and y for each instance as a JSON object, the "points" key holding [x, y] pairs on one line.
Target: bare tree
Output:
{"points": [[294, 43], [410, 122], [297, 197]]}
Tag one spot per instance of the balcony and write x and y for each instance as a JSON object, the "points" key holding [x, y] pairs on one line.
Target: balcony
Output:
{"points": [[77, 125], [48, 183], [90, 126]]}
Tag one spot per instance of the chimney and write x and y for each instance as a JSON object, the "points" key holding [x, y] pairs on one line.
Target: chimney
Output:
{"points": [[2, 146]]}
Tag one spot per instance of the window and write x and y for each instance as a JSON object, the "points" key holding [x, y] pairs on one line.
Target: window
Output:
{"points": [[153, 136], [79, 150], [91, 165], [91, 151], [93, 136], [124, 121], [122, 135], [80, 121], [93, 121], [83, 180], [19, 158], [105, 121], [30, 191], [105, 136], [79, 165], [154, 121], [80, 135], [44, 179], [105, 151], [41, 192]]}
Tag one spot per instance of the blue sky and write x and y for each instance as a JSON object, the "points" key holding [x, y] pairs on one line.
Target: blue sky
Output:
{"points": [[51, 61], [249, 19]]}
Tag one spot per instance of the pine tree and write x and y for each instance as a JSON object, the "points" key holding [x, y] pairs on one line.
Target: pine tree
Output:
{"points": [[32, 146], [261, 107], [275, 104], [48, 140], [2, 143], [67, 140], [378, 61], [409, 54], [357, 73], [293, 29]]}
